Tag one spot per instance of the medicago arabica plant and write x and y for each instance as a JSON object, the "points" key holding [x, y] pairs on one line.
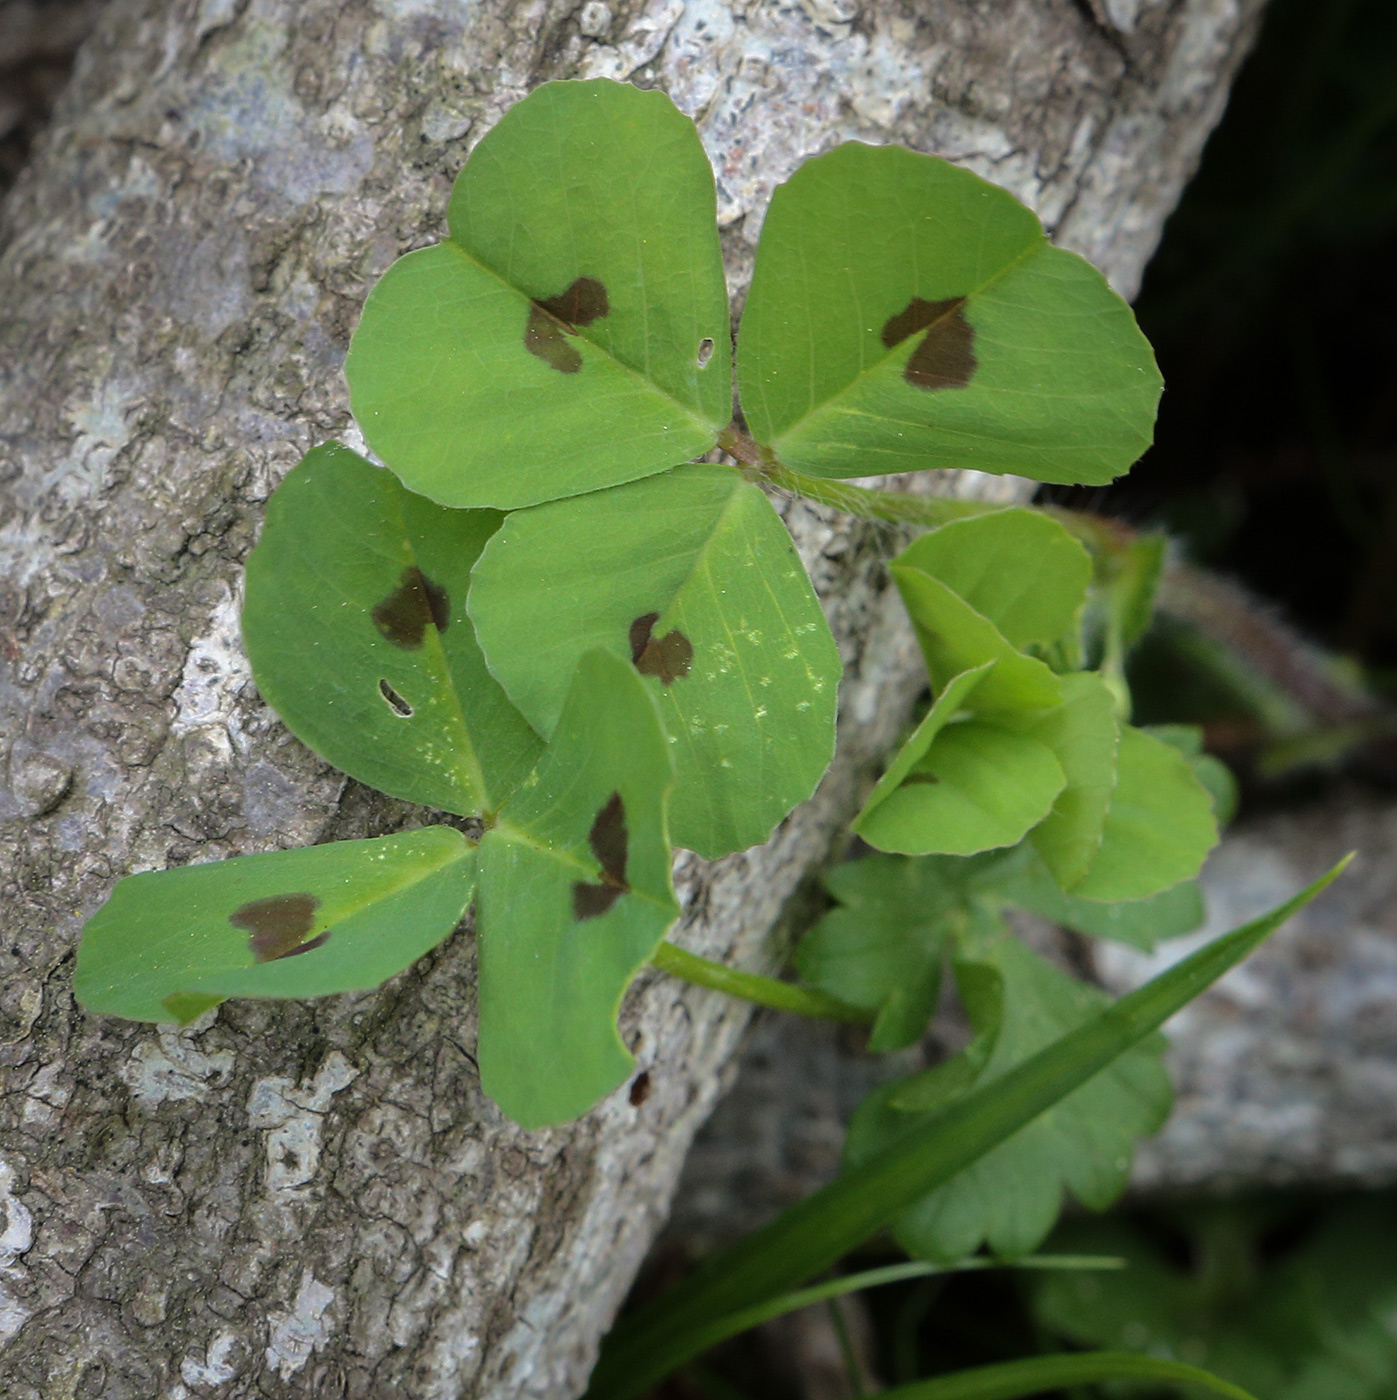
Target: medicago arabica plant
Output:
{"points": [[551, 622]]}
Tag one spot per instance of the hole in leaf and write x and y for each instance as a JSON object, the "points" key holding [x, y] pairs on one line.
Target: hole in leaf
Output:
{"points": [[554, 317], [705, 351], [396, 701], [278, 925], [609, 841], [946, 357], [402, 617], [668, 657], [640, 1088]]}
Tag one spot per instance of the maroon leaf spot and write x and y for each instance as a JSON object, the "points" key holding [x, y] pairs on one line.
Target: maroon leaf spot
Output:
{"points": [[554, 318], [592, 901], [583, 302], [402, 617], [946, 357], [543, 337], [640, 1088], [668, 657], [279, 925], [610, 843]]}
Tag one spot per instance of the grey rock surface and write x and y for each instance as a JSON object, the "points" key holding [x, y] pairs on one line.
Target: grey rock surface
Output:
{"points": [[316, 1201]]}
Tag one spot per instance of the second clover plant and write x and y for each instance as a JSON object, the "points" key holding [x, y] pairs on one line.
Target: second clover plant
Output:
{"points": [[548, 620]]}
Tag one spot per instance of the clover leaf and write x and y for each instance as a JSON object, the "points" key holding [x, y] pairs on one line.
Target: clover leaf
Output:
{"points": [[692, 577], [575, 897], [169, 944], [906, 314], [356, 626], [572, 333]]}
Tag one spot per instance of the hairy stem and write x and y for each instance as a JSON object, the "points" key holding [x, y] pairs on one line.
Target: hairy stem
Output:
{"points": [[765, 991]]}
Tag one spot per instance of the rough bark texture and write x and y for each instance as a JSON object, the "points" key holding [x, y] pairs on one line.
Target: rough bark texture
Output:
{"points": [[316, 1200]]}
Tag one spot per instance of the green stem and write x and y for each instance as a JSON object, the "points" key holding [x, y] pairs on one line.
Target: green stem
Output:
{"points": [[894, 506], [765, 991], [762, 464]]}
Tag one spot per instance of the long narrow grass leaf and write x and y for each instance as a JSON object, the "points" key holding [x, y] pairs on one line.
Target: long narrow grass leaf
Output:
{"points": [[710, 1336], [1011, 1379], [812, 1235]]}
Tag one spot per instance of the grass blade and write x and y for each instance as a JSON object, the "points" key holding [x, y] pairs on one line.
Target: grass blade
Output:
{"points": [[819, 1230], [1011, 1379]]}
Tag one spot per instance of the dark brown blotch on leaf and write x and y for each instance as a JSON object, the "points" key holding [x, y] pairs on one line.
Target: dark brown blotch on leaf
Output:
{"points": [[279, 925], [946, 357], [402, 617], [921, 778], [553, 319], [668, 657], [610, 843]]}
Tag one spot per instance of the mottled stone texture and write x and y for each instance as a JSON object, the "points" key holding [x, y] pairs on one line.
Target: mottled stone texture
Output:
{"points": [[315, 1201]]}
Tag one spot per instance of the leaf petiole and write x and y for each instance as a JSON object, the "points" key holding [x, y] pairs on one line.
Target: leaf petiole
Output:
{"points": [[765, 991]]}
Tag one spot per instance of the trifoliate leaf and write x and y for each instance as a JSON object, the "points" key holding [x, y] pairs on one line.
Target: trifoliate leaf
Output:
{"points": [[882, 946], [955, 638], [1010, 1198], [905, 314], [1019, 568], [344, 917], [573, 331], [575, 897], [1159, 827], [356, 626], [692, 578]]}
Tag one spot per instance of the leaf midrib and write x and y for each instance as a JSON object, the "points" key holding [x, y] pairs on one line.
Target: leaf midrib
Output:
{"points": [[815, 410], [581, 334]]}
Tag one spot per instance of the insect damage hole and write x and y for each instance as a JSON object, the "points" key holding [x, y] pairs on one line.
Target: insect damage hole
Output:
{"points": [[705, 351], [396, 703]]}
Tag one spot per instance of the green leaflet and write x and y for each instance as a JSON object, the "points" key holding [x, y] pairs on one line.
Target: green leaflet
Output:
{"points": [[1083, 734], [905, 314], [169, 944], [977, 788], [1159, 828], [955, 638], [573, 331], [575, 897], [356, 626], [812, 1235], [1019, 568], [1010, 1198], [693, 577], [882, 946], [1139, 922], [1311, 1324], [1215, 775]]}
